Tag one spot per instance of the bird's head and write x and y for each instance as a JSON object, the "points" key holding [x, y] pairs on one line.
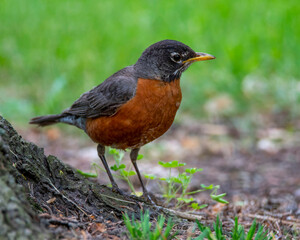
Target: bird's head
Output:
{"points": [[167, 60]]}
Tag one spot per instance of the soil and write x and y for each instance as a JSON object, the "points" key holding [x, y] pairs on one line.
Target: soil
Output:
{"points": [[259, 172]]}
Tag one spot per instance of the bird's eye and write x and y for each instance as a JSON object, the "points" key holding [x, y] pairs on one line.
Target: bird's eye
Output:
{"points": [[175, 57]]}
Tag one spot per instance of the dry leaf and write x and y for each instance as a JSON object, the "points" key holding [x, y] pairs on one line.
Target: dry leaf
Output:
{"points": [[51, 200], [97, 228], [219, 207]]}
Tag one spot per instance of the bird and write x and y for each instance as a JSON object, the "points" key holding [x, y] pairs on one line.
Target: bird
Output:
{"points": [[135, 105]]}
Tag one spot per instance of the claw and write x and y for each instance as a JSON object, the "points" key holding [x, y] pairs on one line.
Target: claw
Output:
{"points": [[149, 199], [116, 189]]}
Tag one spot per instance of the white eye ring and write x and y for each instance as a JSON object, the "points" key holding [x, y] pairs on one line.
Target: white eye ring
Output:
{"points": [[176, 57]]}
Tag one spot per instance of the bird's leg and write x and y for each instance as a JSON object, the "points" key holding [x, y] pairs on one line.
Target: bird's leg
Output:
{"points": [[101, 154], [133, 156]]}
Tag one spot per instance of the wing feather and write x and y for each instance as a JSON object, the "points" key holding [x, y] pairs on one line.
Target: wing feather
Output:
{"points": [[106, 98]]}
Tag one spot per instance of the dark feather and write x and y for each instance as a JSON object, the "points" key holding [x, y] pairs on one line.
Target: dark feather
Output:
{"points": [[106, 98], [46, 120], [52, 119]]}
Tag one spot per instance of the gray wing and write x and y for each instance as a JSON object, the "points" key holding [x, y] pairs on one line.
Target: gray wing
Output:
{"points": [[106, 98]]}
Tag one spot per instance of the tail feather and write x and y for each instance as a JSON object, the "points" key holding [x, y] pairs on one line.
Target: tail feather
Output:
{"points": [[63, 118], [46, 120]]}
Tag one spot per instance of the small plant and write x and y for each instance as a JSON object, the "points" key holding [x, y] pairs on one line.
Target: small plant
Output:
{"points": [[143, 229], [176, 187], [121, 168], [88, 175], [118, 167], [238, 232]]}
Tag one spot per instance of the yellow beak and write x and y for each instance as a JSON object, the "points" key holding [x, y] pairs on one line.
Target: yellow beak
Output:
{"points": [[200, 57]]}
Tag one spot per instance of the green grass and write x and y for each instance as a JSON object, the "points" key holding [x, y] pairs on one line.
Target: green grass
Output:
{"points": [[256, 232], [52, 51], [143, 229]]}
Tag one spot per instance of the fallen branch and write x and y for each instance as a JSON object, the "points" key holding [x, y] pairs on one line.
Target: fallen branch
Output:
{"points": [[296, 222]]}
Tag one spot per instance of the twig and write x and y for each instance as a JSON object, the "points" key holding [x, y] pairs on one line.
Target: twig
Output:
{"points": [[273, 219], [48, 208], [66, 223], [129, 208], [13, 153], [182, 214], [117, 199], [70, 223], [278, 228], [83, 233], [68, 199]]}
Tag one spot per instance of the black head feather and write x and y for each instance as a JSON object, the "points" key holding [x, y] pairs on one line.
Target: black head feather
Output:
{"points": [[164, 60]]}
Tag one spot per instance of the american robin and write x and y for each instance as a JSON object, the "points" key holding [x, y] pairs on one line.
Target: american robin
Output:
{"points": [[135, 105]]}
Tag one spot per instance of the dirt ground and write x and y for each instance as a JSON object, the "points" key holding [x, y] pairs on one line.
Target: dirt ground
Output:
{"points": [[260, 172]]}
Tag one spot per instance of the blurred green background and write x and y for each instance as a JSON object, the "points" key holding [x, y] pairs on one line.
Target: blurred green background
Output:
{"points": [[53, 51]]}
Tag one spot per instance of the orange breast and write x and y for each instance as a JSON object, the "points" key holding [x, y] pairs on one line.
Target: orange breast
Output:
{"points": [[145, 117]]}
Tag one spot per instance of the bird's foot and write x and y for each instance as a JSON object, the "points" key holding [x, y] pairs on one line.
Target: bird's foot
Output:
{"points": [[116, 189], [150, 199]]}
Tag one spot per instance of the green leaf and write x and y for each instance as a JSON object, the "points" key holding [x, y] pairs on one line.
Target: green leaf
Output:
{"points": [[251, 232], [131, 173], [140, 156], [206, 232], [236, 234], [218, 229], [207, 187], [122, 166], [114, 168], [92, 175], [186, 200], [128, 224], [218, 198], [113, 151], [193, 170], [222, 200], [125, 173], [172, 164], [143, 229], [128, 174], [197, 207], [176, 180], [150, 176]]}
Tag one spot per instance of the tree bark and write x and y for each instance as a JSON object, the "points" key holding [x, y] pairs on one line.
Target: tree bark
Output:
{"points": [[39, 193]]}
